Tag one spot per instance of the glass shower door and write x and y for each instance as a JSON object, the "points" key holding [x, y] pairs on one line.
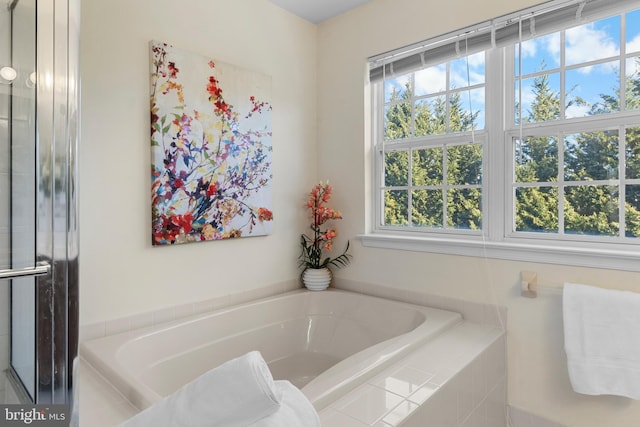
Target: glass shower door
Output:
{"points": [[38, 203], [23, 192]]}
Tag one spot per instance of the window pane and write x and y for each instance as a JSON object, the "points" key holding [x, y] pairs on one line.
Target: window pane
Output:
{"points": [[592, 41], [633, 83], [426, 208], [536, 159], [397, 121], [467, 110], [426, 168], [591, 156], [591, 210], [461, 76], [396, 169], [537, 209], [632, 137], [464, 164], [633, 31], [397, 88], [540, 98], [464, 209], [593, 90], [431, 116], [539, 54], [431, 80], [396, 210], [632, 211]]}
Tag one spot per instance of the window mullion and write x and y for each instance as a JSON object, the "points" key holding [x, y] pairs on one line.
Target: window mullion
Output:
{"points": [[499, 65]]}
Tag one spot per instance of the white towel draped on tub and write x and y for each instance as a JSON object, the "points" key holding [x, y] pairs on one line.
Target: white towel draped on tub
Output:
{"points": [[238, 393], [602, 340]]}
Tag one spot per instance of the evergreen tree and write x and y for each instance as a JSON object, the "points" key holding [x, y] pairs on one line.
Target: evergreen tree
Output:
{"points": [[588, 156], [464, 163], [537, 161]]}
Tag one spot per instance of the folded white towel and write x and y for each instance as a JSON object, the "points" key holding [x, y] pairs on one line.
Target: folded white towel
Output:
{"points": [[602, 340], [235, 394], [295, 410]]}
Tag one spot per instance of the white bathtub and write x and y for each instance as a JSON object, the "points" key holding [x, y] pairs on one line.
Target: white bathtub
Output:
{"points": [[326, 343]]}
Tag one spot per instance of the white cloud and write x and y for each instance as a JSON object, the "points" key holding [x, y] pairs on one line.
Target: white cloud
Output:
{"points": [[431, 80], [529, 48], [553, 43], [587, 43], [634, 44], [577, 111], [476, 60], [461, 79]]}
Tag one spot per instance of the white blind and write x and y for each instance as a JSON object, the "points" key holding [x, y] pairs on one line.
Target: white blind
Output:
{"points": [[546, 18]]}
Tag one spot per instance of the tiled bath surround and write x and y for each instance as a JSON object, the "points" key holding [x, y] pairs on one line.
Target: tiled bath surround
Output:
{"points": [[471, 311], [128, 323], [458, 379], [488, 314]]}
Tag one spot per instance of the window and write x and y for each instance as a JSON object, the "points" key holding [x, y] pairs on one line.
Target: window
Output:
{"points": [[520, 132], [432, 166], [571, 174]]}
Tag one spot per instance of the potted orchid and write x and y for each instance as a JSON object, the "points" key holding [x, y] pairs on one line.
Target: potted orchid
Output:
{"points": [[316, 274]]}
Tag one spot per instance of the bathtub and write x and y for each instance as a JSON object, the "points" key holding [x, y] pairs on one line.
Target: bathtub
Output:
{"points": [[326, 343]]}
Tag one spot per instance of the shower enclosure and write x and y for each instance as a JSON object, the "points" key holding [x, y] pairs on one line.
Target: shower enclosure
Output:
{"points": [[38, 206]]}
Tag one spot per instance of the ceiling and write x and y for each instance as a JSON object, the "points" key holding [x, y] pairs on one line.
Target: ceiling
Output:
{"points": [[317, 11]]}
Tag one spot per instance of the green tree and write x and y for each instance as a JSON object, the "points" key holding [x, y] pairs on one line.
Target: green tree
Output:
{"points": [[464, 163], [537, 161], [588, 156]]}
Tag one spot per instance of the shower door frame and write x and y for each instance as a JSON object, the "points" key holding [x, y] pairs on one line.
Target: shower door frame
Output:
{"points": [[56, 272]]}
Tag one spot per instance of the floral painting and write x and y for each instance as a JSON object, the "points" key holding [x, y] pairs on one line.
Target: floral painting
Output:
{"points": [[210, 149]]}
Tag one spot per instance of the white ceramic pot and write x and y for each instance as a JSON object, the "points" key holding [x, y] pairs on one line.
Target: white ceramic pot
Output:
{"points": [[316, 279]]}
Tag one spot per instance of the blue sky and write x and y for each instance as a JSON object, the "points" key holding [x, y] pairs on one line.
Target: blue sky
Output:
{"points": [[594, 41]]}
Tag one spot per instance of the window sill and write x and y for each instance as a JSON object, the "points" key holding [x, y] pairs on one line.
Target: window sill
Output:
{"points": [[541, 252]]}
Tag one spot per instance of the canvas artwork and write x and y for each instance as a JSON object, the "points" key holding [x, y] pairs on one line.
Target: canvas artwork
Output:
{"points": [[211, 148]]}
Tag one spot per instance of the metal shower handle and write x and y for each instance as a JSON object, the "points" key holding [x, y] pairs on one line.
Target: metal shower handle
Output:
{"points": [[38, 270]]}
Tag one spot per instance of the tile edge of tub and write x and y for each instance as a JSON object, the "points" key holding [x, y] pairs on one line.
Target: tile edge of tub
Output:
{"points": [[444, 378]]}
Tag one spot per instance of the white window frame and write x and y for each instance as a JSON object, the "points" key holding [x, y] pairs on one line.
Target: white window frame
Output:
{"points": [[497, 239]]}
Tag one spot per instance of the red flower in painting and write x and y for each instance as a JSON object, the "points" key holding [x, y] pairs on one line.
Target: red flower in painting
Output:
{"points": [[265, 214], [211, 190], [173, 71], [213, 88], [183, 222], [208, 165]]}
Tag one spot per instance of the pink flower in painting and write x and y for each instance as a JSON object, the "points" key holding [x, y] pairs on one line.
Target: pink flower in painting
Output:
{"points": [[208, 164]]}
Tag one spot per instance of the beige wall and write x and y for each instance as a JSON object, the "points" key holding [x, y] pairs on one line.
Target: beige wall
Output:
{"points": [[121, 273], [314, 137], [538, 381]]}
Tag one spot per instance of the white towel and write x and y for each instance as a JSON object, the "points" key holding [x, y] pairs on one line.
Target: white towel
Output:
{"points": [[295, 410], [602, 340], [235, 394]]}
